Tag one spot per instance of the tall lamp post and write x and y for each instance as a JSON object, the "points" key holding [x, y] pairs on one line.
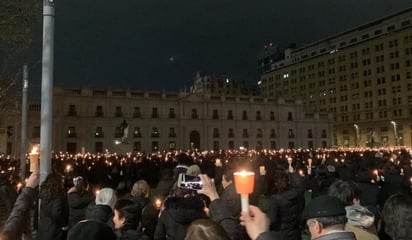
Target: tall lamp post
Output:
{"points": [[395, 132], [23, 147], [47, 89], [357, 134]]}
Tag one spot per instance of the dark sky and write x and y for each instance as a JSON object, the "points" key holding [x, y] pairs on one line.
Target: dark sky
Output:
{"points": [[161, 44]]}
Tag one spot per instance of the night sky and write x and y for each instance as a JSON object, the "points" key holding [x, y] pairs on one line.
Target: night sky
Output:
{"points": [[161, 44]]}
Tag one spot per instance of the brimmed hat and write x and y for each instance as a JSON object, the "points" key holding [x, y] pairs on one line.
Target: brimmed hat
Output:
{"points": [[324, 206], [91, 230]]}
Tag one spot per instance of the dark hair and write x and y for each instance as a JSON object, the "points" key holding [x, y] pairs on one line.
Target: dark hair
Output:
{"points": [[391, 169], [50, 187], [396, 217], [346, 191], [332, 221], [204, 229], [228, 174], [130, 211], [80, 186], [280, 182]]}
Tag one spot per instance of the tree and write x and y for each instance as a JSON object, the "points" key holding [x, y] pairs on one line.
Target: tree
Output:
{"points": [[17, 21]]}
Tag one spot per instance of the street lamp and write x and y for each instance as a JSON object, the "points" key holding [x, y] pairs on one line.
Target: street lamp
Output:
{"points": [[395, 132], [357, 134]]}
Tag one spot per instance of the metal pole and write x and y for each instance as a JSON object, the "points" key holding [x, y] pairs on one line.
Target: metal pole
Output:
{"points": [[357, 134], [395, 132], [23, 145], [47, 89]]}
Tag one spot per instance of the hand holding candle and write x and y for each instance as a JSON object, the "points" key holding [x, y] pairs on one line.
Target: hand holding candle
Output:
{"points": [[244, 184]]}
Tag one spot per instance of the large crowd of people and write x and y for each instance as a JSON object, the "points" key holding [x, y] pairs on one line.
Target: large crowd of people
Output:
{"points": [[327, 193]]}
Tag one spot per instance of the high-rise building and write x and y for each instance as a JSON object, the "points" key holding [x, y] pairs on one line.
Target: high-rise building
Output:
{"points": [[94, 120], [222, 85], [363, 76]]}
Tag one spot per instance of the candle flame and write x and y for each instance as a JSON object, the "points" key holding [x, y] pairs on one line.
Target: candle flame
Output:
{"points": [[34, 150]]}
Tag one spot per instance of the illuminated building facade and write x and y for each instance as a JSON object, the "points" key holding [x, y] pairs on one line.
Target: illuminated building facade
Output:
{"points": [[92, 120], [362, 76]]}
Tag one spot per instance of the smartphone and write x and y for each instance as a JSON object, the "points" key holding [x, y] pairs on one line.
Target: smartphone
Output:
{"points": [[189, 182]]}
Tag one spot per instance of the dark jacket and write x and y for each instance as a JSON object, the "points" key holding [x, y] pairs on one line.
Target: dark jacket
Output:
{"points": [[126, 235], [53, 216], [337, 236], [369, 198], [100, 213], [393, 184], [178, 214], [14, 224], [77, 206], [232, 199], [285, 209], [220, 213], [149, 215], [7, 198]]}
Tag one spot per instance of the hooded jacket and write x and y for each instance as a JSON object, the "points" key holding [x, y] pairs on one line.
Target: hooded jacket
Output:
{"points": [[100, 213]]}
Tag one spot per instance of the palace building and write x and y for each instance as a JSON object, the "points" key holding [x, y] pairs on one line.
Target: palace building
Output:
{"points": [[95, 120]]}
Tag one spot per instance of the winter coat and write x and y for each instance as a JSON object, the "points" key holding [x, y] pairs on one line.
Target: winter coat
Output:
{"points": [[360, 222], [100, 213], [178, 214], [77, 206], [53, 217], [337, 236], [220, 213], [126, 235], [149, 215], [7, 198], [230, 196], [393, 184], [285, 209], [369, 198], [14, 225]]}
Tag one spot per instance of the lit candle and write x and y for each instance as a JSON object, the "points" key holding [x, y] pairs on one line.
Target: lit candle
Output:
{"points": [[376, 174], [68, 168], [34, 160], [244, 184], [158, 203], [310, 162]]}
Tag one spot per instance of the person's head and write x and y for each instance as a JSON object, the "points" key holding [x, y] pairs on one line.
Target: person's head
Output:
{"points": [[52, 185], [396, 217], [79, 184], [126, 214], [140, 189], [90, 230], [106, 196], [347, 191], [204, 229], [280, 182], [193, 170], [227, 178], [324, 214]]}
